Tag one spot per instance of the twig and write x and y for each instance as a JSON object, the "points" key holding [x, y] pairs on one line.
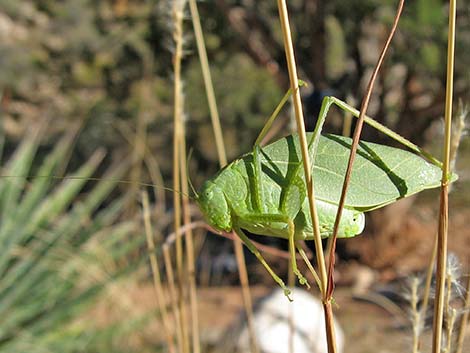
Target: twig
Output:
{"points": [[171, 238]]}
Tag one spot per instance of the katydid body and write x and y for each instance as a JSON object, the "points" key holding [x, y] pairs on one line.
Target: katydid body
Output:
{"points": [[228, 199], [264, 191]]}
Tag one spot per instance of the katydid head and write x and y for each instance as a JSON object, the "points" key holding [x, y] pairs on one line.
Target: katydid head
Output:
{"points": [[352, 225], [213, 204]]}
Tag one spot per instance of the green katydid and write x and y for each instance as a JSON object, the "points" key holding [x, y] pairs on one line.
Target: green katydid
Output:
{"points": [[264, 191]]}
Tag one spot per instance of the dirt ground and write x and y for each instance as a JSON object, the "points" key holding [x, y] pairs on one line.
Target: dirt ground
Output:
{"points": [[367, 327]]}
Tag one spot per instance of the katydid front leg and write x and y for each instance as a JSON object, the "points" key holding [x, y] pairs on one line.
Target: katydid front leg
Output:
{"points": [[257, 185]]}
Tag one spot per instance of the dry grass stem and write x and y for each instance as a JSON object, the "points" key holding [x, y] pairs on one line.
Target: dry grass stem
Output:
{"points": [[294, 85], [138, 152], [190, 263], [444, 201], [174, 299], [222, 160], [415, 314], [457, 133], [177, 18], [428, 281], [161, 302], [451, 316], [464, 319], [152, 167], [206, 74]]}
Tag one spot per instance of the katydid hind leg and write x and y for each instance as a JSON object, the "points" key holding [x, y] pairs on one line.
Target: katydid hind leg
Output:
{"points": [[327, 101], [275, 114], [261, 259]]}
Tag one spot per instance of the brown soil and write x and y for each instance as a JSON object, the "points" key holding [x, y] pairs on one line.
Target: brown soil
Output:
{"points": [[367, 327], [397, 251]]}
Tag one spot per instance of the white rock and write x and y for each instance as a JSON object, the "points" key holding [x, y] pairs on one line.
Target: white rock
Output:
{"points": [[272, 325]]}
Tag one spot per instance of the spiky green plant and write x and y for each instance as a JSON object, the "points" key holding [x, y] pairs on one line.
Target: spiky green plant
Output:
{"points": [[59, 252]]}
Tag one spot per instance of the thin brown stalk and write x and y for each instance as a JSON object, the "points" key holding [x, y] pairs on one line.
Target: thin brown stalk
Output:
{"points": [[152, 167], [444, 201], [416, 315], [352, 155], [174, 298], [138, 152], [206, 74], [290, 312], [448, 294], [457, 133], [428, 282], [171, 238], [190, 263], [451, 315], [357, 132], [157, 282], [243, 273], [294, 84], [246, 293], [157, 179], [464, 320], [177, 14]]}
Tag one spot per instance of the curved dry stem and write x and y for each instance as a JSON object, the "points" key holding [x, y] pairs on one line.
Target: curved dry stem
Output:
{"points": [[171, 238], [352, 155]]}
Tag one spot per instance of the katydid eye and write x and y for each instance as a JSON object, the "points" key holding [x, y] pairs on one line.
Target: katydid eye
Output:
{"points": [[209, 194]]}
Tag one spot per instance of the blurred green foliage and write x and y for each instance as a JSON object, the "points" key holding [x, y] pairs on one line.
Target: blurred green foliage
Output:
{"points": [[60, 254], [108, 64]]}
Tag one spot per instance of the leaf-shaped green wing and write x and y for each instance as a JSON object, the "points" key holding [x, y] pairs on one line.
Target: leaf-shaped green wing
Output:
{"points": [[381, 174]]}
